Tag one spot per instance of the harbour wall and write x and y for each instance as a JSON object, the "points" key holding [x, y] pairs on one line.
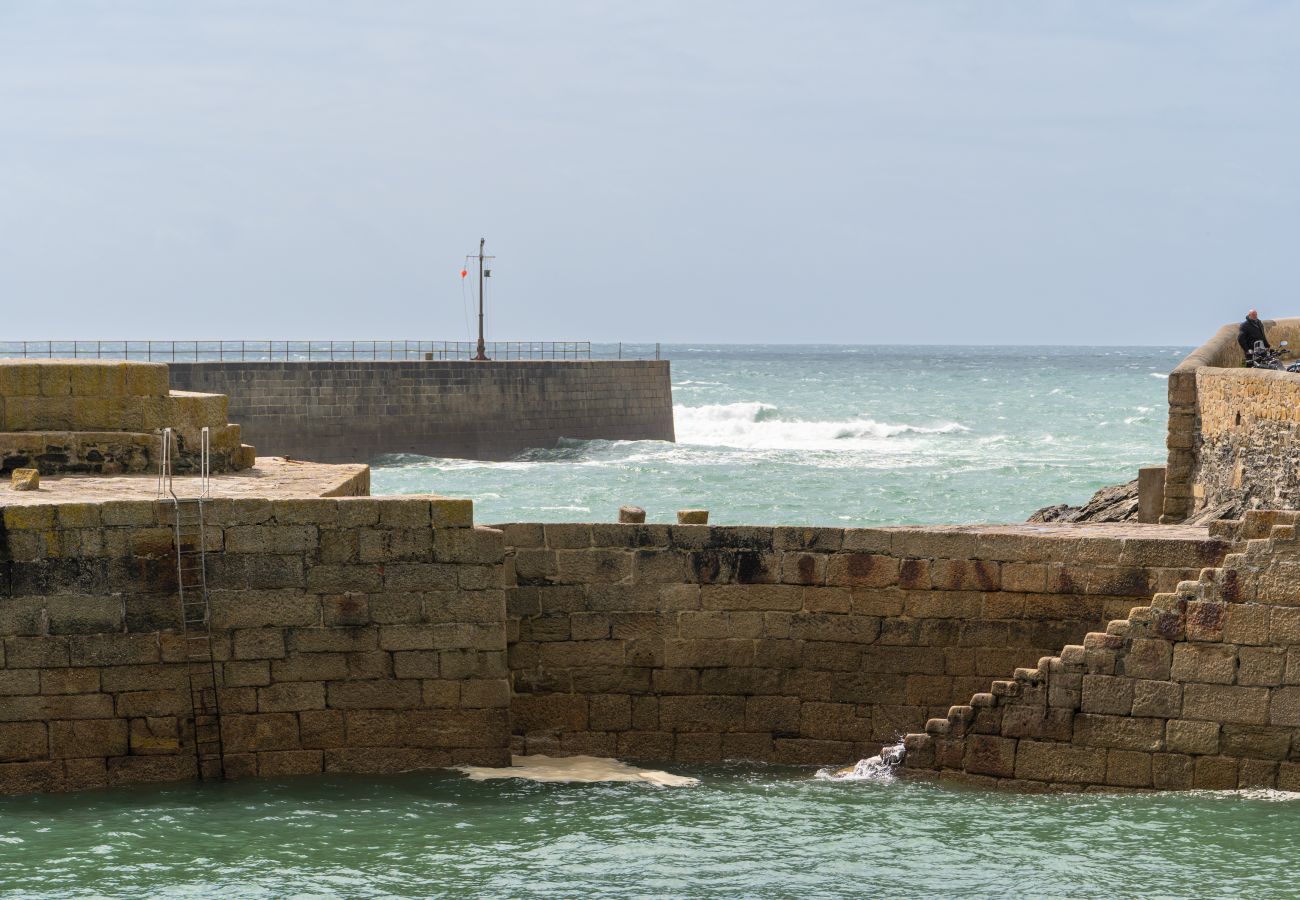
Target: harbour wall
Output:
{"points": [[1232, 430], [1197, 688], [357, 634], [797, 645], [350, 634], [353, 411]]}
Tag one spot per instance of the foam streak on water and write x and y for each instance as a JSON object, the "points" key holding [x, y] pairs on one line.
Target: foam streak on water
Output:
{"points": [[845, 436]]}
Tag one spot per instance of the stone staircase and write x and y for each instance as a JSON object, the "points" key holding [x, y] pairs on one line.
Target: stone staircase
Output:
{"points": [[1188, 691]]}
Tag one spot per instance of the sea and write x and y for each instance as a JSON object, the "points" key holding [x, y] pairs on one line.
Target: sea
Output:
{"points": [[826, 435], [844, 436]]}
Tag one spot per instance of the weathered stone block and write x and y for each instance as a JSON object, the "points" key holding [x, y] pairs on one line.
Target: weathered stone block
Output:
{"points": [[1260, 665], [278, 763], [21, 741], [1107, 694], [1120, 732], [291, 696], [1215, 773], [113, 649], [322, 728], [1148, 658], [150, 677], [158, 735], [146, 769], [262, 731], [1226, 703], [1041, 723], [862, 570], [1043, 761], [1206, 620], [270, 608], [1247, 624], [376, 694], [88, 737], [965, 575], [310, 667], [914, 574], [62, 681], [1127, 768], [1171, 772], [990, 755], [1162, 699], [1207, 663], [1284, 706], [1260, 742], [258, 643], [1284, 622]]}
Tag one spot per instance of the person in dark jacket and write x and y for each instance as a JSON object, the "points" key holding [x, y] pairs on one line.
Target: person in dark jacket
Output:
{"points": [[1250, 331]]}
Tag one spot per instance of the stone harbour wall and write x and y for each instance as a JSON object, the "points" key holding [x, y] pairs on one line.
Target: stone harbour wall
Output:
{"points": [[1248, 424], [1228, 429], [351, 635], [354, 411], [1198, 688], [798, 645], [105, 417]]}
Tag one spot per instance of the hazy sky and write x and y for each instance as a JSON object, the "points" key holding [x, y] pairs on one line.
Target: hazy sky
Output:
{"points": [[856, 172]]}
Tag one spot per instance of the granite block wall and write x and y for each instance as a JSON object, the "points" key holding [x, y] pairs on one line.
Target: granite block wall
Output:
{"points": [[351, 634], [1197, 688], [796, 645], [105, 417], [355, 411]]}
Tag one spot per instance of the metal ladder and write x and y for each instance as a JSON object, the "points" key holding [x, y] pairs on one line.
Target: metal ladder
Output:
{"points": [[196, 613]]}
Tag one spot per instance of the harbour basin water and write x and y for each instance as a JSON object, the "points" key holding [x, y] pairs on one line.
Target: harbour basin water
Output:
{"points": [[845, 436], [743, 831]]}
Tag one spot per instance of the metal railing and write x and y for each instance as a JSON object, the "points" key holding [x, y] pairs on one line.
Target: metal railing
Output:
{"points": [[291, 351]]}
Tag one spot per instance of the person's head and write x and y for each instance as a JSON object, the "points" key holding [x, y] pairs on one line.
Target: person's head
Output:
{"points": [[1252, 315]]}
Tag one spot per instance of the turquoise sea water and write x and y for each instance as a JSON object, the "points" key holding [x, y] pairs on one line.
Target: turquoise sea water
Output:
{"points": [[742, 832], [840, 435]]}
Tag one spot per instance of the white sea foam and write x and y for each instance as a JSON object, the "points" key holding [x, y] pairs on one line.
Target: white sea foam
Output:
{"points": [[1269, 795], [879, 768], [756, 425]]}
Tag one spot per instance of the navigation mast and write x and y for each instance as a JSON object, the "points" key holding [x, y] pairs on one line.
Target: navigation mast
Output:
{"points": [[481, 356]]}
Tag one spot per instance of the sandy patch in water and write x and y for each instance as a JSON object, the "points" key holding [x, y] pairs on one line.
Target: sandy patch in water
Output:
{"points": [[575, 769]]}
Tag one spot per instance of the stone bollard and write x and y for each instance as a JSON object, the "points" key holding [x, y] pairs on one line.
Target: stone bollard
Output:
{"points": [[692, 517], [1151, 493], [631, 515], [26, 480]]}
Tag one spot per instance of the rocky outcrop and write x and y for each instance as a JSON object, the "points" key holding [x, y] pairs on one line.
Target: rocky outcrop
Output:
{"points": [[1117, 503]]}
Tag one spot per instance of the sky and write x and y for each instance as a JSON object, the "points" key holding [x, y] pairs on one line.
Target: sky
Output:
{"points": [[728, 172]]}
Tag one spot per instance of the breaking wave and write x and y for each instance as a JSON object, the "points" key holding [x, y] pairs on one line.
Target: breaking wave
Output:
{"points": [[755, 425]]}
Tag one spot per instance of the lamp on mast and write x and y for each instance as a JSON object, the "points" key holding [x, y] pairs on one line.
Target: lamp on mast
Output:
{"points": [[481, 355]]}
